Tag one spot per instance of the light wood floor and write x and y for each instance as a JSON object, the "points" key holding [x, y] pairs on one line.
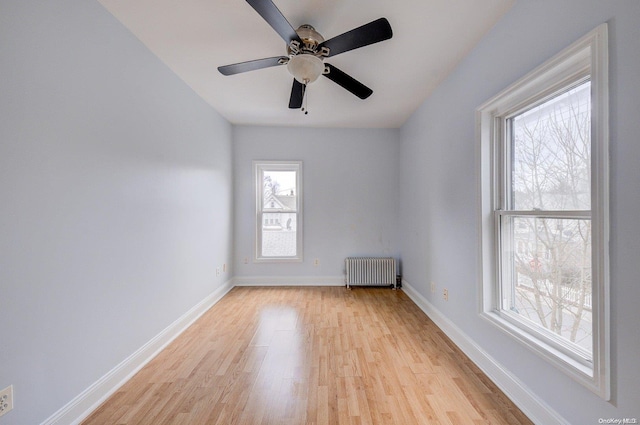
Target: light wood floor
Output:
{"points": [[310, 356]]}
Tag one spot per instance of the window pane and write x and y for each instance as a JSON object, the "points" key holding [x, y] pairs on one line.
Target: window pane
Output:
{"points": [[279, 235], [551, 153], [547, 275], [279, 218], [280, 190]]}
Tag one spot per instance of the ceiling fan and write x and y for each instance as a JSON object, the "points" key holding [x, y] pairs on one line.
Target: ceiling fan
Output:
{"points": [[307, 49]]}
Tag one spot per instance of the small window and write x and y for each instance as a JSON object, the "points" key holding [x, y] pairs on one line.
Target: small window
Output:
{"points": [[544, 186], [278, 187]]}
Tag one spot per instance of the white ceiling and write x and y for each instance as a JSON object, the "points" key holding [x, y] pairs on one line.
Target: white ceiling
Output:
{"points": [[194, 37]]}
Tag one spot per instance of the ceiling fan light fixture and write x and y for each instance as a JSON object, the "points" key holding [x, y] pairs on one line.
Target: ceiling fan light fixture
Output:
{"points": [[305, 68]]}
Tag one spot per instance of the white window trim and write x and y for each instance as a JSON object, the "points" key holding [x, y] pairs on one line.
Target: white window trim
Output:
{"points": [[258, 169], [590, 53]]}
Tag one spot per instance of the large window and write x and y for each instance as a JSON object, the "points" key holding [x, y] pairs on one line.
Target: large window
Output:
{"points": [[544, 185], [278, 188]]}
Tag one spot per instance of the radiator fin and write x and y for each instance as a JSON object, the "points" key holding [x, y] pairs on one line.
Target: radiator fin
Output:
{"points": [[370, 271]]}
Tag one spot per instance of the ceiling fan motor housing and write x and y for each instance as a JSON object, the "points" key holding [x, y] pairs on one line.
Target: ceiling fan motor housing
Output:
{"points": [[310, 38]]}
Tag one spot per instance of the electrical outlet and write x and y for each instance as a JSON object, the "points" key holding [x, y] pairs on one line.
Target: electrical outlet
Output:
{"points": [[433, 287], [6, 400], [445, 294], [217, 271], [316, 262], [246, 260]]}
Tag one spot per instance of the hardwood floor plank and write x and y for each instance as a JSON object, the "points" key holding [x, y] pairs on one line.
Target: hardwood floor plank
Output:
{"points": [[308, 355]]}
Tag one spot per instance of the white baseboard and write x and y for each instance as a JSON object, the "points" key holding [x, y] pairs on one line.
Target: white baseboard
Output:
{"points": [[86, 402], [532, 406], [289, 281]]}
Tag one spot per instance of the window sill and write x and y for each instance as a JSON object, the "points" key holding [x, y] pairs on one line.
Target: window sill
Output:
{"points": [[570, 366]]}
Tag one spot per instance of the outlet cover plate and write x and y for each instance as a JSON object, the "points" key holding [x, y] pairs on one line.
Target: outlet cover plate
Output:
{"points": [[6, 400]]}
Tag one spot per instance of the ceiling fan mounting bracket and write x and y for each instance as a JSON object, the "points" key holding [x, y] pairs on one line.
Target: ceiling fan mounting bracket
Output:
{"points": [[293, 48]]}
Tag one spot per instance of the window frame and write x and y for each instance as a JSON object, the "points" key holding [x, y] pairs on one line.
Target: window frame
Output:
{"points": [[259, 167], [586, 58]]}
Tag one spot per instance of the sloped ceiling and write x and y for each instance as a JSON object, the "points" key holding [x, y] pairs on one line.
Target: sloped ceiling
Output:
{"points": [[194, 37]]}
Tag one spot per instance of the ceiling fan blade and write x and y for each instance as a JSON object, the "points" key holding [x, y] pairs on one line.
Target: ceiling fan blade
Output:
{"points": [[297, 95], [347, 82], [373, 32], [237, 68], [275, 18]]}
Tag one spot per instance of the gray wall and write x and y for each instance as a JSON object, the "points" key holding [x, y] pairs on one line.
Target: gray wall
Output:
{"points": [[115, 188], [350, 195], [439, 196]]}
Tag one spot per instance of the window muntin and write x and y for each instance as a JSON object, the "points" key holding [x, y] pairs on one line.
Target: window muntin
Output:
{"points": [[278, 188], [544, 208]]}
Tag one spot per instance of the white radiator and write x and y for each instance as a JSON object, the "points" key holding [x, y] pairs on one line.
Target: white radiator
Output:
{"points": [[370, 271]]}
